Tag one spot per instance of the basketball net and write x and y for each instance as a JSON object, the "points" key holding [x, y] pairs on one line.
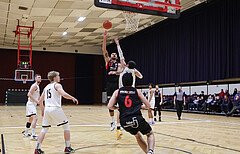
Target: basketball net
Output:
{"points": [[132, 20], [24, 81]]}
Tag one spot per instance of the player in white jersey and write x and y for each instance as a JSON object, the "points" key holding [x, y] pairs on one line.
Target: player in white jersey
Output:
{"points": [[151, 99], [31, 111], [52, 95], [125, 68]]}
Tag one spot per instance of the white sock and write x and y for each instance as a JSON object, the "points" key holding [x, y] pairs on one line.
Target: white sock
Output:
{"points": [[67, 143], [151, 119], [38, 146], [26, 131], [154, 116], [112, 119], [33, 131]]}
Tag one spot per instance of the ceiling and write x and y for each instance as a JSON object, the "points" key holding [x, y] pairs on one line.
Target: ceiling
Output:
{"points": [[53, 17]]}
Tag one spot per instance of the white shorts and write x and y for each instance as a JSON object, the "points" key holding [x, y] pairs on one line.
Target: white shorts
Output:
{"points": [[31, 109], [152, 103], [54, 115]]}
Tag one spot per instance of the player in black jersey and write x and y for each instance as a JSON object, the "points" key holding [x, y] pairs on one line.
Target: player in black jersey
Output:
{"points": [[112, 79], [158, 103], [130, 102]]}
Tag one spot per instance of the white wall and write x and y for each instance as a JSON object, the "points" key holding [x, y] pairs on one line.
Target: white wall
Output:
{"points": [[198, 89], [232, 87], [217, 88], [186, 90], [168, 91]]}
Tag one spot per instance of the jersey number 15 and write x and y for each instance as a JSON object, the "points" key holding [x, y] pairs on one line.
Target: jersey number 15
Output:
{"points": [[49, 95]]}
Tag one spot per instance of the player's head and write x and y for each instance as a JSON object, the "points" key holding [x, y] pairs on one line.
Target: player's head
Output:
{"points": [[131, 64], [53, 76], [157, 87], [38, 78], [180, 88], [127, 79], [114, 56], [150, 85]]}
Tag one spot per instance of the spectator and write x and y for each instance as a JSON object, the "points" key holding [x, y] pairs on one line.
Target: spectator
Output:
{"points": [[201, 102], [238, 93], [207, 104], [235, 92], [227, 93], [216, 104], [236, 106], [225, 106], [194, 96], [202, 95], [195, 104], [221, 94]]}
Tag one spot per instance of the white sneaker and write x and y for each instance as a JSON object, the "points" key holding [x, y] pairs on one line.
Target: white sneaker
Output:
{"points": [[26, 135], [112, 126], [121, 128], [150, 152], [33, 137]]}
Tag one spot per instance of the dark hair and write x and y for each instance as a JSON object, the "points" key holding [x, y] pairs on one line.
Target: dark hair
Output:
{"points": [[127, 79], [131, 64], [151, 84], [36, 75]]}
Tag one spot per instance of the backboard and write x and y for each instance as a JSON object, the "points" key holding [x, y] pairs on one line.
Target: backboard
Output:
{"points": [[167, 8], [24, 75]]}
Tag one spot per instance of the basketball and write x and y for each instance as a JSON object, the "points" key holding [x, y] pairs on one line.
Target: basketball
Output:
{"points": [[107, 24]]}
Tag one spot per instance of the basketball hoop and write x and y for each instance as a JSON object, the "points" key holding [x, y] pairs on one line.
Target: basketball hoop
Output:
{"points": [[24, 81], [132, 20]]}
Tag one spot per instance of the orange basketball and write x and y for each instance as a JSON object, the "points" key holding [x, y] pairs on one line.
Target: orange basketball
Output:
{"points": [[107, 24]]}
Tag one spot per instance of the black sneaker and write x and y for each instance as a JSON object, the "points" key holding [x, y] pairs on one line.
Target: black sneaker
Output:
{"points": [[179, 118], [155, 119], [160, 119], [38, 151], [69, 150]]}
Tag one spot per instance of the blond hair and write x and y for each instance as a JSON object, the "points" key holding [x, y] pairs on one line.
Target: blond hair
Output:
{"points": [[52, 74]]}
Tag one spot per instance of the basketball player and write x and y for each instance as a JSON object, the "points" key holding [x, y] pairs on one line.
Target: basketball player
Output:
{"points": [[130, 102], [158, 103], [31, 111], [52, 95], [130, 68], [151, 99], [112, 79]]}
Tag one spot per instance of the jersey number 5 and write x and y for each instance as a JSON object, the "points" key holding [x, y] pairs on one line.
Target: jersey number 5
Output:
{"points": [[49, 95], [128, 102]]}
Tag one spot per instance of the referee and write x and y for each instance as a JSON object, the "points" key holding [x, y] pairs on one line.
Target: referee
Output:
{"points": [[179, 101]]}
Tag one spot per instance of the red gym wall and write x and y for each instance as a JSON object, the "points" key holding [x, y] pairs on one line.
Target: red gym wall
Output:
{"points": [[43, 62]]}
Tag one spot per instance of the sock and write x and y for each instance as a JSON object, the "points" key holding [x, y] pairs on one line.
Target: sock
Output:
{"points": [[67, 143], [118, 125], [151, 119], [154, 116], [112, 119], [33, 131], [26, 131], [38, 146]]}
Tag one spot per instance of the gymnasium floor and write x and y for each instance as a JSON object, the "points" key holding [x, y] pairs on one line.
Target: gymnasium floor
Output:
{"points": [[195, 133]]}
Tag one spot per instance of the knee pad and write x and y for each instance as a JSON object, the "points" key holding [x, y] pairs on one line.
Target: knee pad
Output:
{"points": [[45, 129], [66, 127], [111, 110]]}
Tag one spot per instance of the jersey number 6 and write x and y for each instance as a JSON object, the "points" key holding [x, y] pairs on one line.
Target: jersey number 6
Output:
{"points": [[128, 102]]}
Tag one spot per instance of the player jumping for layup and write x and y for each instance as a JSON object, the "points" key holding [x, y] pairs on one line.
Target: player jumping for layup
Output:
{"points": [[130, 102], [52, 95], [31, 111], [112, 79]]}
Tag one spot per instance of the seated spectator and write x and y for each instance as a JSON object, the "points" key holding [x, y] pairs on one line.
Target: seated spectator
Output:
{"points": [[236, 106], [207, 104], [196, 104], [215, 105], [194, 96], [225, 106], [201, 101], [189, 101], [221, 94], [238, 93], [227, 93], [235, 92], [202, 95]]}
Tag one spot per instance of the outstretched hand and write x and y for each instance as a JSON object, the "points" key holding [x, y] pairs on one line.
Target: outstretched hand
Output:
{"points": [[75, 100], [105, 35]]}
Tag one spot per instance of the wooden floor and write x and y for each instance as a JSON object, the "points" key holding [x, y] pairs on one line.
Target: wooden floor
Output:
{"points": [[90, 133]]}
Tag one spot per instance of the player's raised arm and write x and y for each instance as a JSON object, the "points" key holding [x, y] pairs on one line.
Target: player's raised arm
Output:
{"points": [[113, 101], [122, 59], [64, 94], [31, 91], [143, 100], [104, 49]]}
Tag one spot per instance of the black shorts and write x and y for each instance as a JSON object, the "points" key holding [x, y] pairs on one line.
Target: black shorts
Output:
{"points": [[157, 104], [134, 124], [111, 87]]}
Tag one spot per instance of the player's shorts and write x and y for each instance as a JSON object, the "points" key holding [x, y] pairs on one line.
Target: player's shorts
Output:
{"points": [[54, 115], [152, 103], [31, 109], [135, 124], [157, 104], [111, 87]]}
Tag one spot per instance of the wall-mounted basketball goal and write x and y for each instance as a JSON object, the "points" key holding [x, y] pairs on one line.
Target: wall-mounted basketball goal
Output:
{"points": [[24, 70]]}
